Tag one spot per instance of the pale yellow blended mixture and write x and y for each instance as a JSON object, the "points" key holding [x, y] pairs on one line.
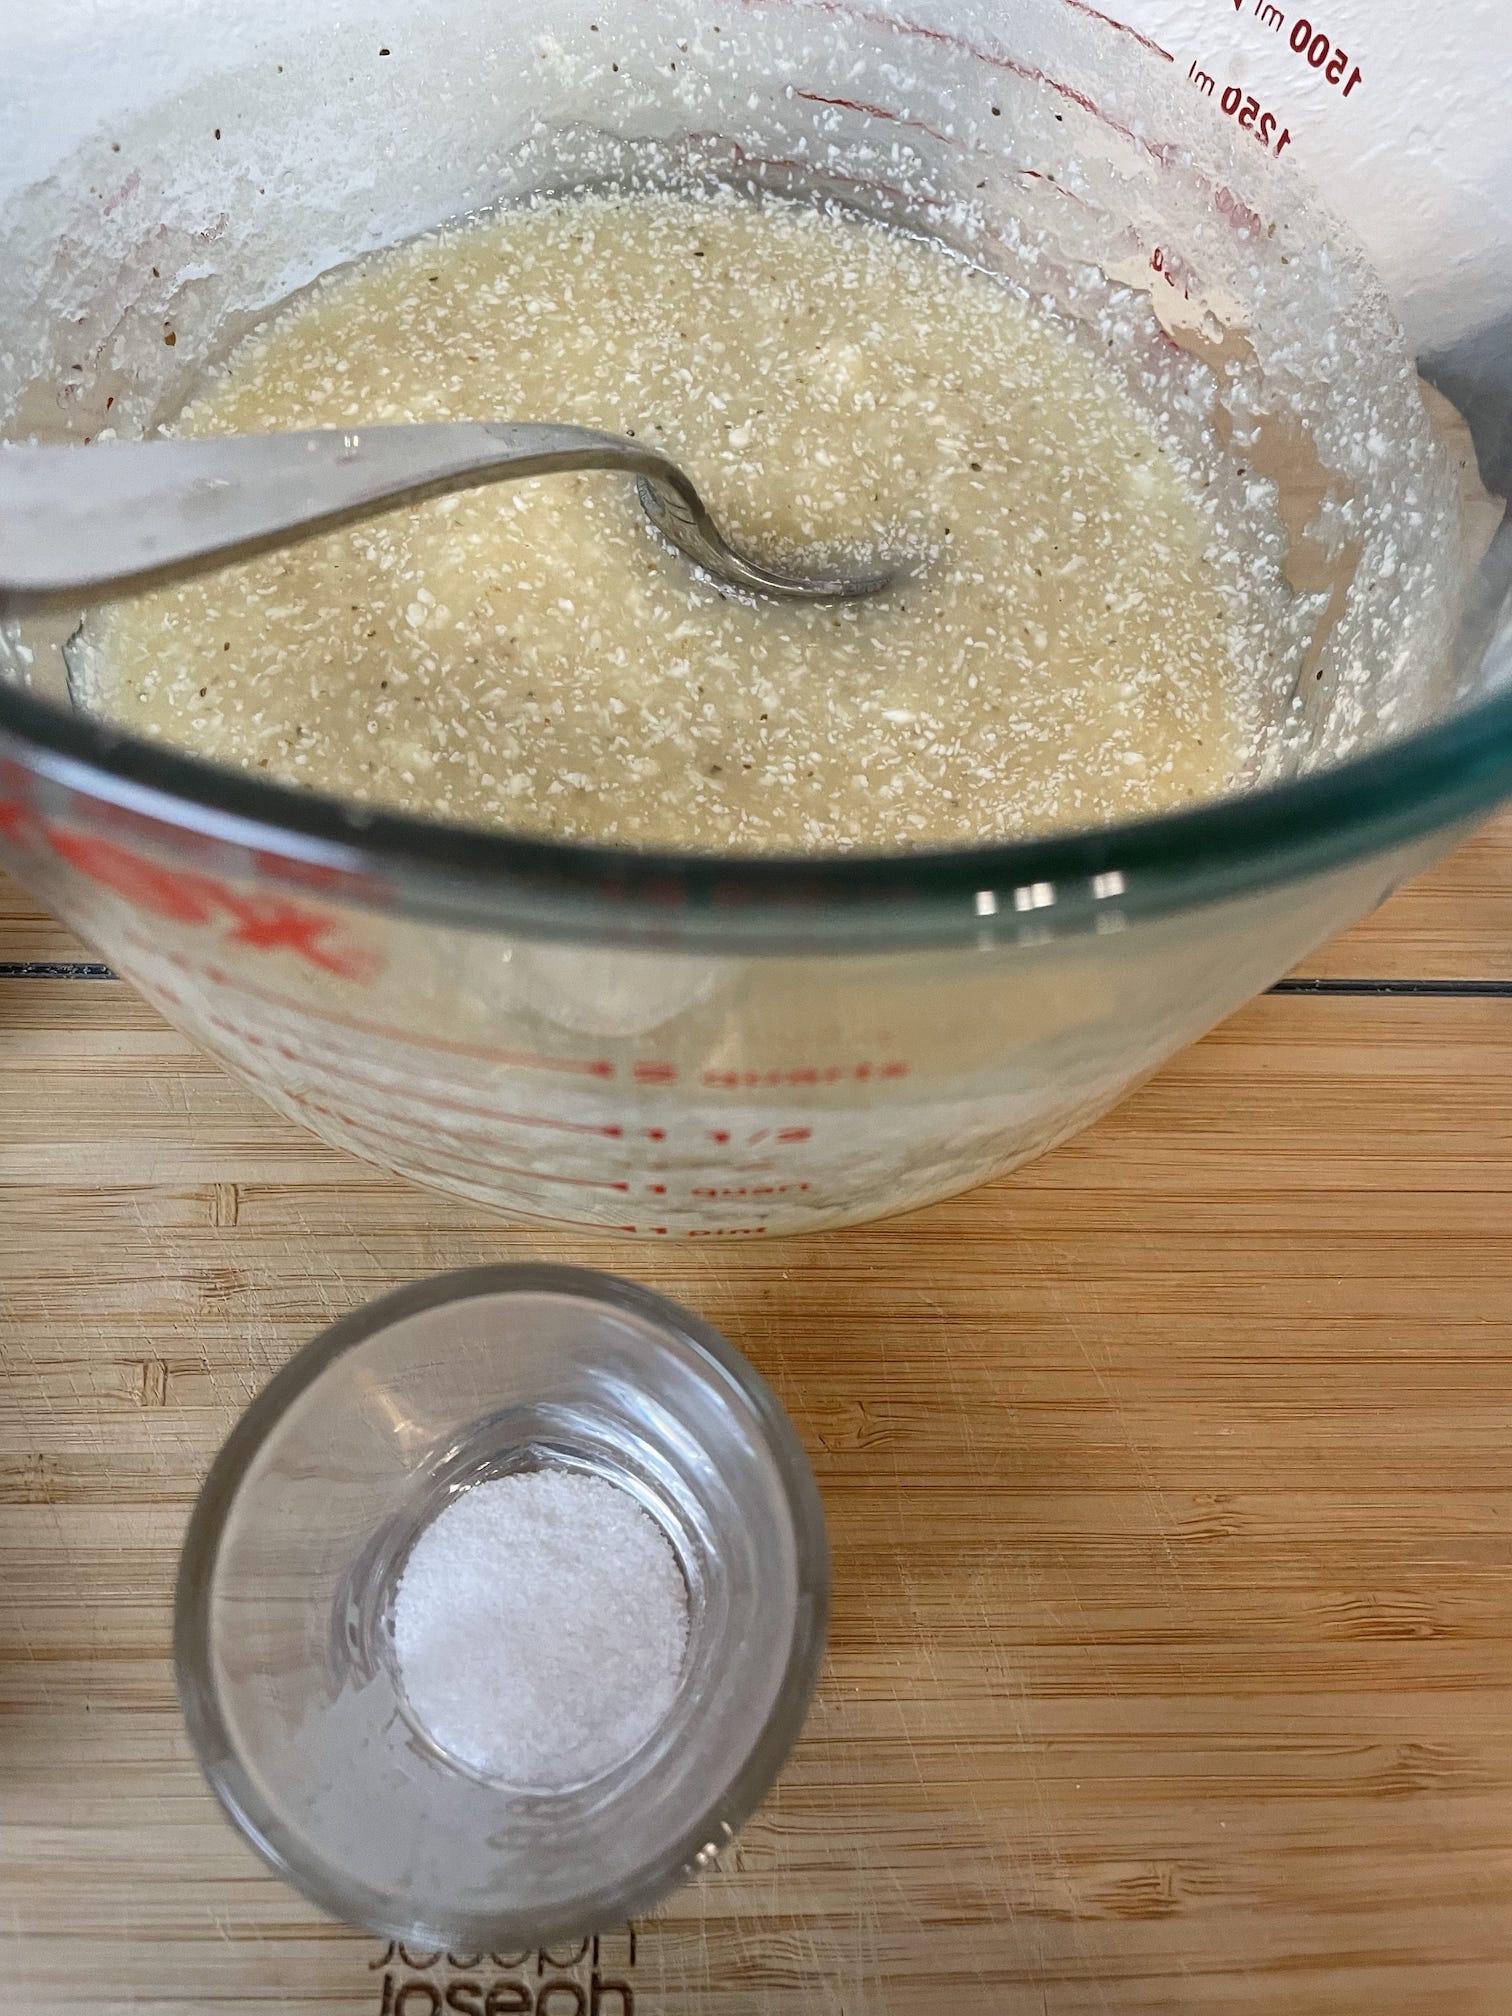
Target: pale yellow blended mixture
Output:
{"points": [[531, 657]]}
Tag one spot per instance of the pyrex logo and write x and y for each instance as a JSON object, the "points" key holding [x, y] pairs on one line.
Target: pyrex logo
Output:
{"points": [[591, 1978], [262, 919]]}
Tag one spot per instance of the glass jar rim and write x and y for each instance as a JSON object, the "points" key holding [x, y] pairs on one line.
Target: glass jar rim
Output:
{"points": [[1431, 780], [725, 1812]]}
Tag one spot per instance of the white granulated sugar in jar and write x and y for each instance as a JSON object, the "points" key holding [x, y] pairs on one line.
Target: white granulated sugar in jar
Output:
{"points": [[540, 1625]]}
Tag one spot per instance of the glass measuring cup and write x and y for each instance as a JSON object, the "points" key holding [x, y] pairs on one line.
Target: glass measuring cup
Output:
{"points": [[715, 1048]]}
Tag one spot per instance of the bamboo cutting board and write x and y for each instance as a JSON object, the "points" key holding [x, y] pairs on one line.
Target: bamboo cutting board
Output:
{"points": [[1170, 1490]]}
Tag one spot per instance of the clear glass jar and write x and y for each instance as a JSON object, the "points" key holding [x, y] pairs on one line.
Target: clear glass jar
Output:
{"points": [[668, 1045], [283, 1629]]}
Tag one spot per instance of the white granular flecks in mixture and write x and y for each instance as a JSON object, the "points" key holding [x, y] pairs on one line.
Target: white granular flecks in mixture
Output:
{"points": [[531, 657], [540, 1625]]}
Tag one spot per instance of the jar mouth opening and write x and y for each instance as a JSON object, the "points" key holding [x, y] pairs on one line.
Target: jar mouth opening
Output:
{"points": [[719, 1811], [1450, 772]]}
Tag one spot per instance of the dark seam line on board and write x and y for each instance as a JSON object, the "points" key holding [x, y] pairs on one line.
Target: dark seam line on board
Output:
{"points": [[53, 969], [1489, 990], [1485, 990]]}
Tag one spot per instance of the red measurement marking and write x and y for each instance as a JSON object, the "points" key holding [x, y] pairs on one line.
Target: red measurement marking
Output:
{"points": [[421, 1170], [445, 1145], [336, 1065], [872, 112], [654, 1074], [784, 1136], [995, 60], [15, 820], [725, 1231], [332, 1067], [1245, 107], [124, 192], [1163, 152], [1081, 7], [599, 1130], [753, 1190], [1173, 269], [215, 976], [795, 164], [802, 1074], [1322, 54]]}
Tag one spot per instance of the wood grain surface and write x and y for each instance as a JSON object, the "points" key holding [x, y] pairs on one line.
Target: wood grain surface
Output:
{"points": [[1170, 1488]]}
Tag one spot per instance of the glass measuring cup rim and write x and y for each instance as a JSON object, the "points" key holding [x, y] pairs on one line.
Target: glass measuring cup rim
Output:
{"points": [[1142, 870]]}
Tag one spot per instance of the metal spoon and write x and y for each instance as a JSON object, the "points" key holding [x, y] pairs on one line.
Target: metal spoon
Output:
{"points": [[84, 522]]}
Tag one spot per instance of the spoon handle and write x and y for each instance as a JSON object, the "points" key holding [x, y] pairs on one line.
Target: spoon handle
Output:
{"points": [[87, 522]]}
